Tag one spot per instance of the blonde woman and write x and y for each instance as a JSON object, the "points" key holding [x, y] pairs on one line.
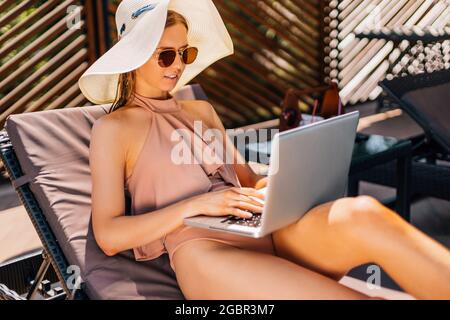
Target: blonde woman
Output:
{"points": [[163, 45]]}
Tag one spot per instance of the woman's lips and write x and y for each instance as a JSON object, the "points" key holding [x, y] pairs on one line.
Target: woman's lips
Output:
{"points": [[171, 79]]}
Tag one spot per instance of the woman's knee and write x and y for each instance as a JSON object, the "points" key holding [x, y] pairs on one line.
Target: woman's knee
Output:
{"points": [[352, 210], [365, 205], [358, 214], [332, 219]]}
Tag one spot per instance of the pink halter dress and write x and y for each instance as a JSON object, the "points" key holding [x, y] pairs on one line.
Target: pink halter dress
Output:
{"points": [[156, 181]]}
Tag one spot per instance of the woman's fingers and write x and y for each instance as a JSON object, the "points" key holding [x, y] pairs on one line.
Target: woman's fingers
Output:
{"points": [[250, 199], [239, 213], [239, 202], [261, 183], [243, 199], [247, 206], [249, 192]]}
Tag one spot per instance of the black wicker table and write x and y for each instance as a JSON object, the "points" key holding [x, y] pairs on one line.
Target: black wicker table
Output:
{"points": [[371, 151]]}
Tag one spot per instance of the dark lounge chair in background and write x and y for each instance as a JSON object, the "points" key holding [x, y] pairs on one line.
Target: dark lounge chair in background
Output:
{"points": [[426, 99]]}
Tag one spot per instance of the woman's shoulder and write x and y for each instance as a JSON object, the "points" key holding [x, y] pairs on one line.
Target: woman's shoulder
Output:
{"points": [[121, 124], [200, 105], [126, 115], [200, 109]]}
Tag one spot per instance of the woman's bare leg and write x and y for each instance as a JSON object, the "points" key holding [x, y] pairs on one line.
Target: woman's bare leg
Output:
{"points": [[335, 237], [207, 269]]}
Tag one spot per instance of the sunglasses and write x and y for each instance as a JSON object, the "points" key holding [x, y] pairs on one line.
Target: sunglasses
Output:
{"points": [[167, 57]]}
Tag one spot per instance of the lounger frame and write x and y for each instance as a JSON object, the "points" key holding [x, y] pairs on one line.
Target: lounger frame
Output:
{"points": [[52, 253]]}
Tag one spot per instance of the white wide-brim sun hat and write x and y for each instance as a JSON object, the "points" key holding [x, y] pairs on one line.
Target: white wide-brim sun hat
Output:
{"points": [[140, 26]]}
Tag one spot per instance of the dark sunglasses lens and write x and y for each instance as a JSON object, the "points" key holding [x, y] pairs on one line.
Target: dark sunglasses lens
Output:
{"points": [[189, 55], [166, 58]]}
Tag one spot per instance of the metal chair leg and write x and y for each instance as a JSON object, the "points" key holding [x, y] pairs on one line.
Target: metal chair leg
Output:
{"points": [[39, 276]]}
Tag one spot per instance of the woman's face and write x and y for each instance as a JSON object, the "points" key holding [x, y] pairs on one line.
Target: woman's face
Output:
{"points": [[151, 78]]}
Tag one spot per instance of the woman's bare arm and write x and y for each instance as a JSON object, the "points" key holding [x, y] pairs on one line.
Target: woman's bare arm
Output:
{"points": [[115, 232], [246, 175]]}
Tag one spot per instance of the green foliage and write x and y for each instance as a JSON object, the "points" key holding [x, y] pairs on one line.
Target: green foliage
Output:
{"points": [[22, 16]]}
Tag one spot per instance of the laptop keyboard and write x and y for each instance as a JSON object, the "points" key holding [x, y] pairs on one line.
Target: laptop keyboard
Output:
{"points": [[254, 221]]}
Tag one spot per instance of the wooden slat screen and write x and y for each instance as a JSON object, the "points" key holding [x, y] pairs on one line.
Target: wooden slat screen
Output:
{"points": [[359, 64], [278, 45], [42, 55]]}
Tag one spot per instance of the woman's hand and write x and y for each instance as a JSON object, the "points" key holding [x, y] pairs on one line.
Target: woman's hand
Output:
{"points": [[261, 183], [231, 201]]}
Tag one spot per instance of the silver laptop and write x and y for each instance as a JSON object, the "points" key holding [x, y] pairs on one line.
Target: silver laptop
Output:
{"points": [[309, 165]]}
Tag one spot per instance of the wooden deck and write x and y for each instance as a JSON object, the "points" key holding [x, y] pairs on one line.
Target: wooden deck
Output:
{"points": [[17, 235]]}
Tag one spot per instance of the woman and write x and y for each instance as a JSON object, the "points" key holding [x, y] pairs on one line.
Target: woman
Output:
{"points": [[131, 149]]}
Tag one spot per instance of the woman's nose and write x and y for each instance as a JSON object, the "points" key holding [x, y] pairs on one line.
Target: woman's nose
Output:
{"points": [[178, 63]]}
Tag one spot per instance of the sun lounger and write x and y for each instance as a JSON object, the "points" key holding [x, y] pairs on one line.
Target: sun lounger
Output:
{"points": [[425, 98], [47, 157]]}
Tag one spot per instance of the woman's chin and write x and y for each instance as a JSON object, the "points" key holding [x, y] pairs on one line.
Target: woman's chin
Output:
{"points": [[168, 87], [170, 83]]}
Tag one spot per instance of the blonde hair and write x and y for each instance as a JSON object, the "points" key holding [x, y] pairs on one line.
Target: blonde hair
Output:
{"points": [[127, 81]]}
